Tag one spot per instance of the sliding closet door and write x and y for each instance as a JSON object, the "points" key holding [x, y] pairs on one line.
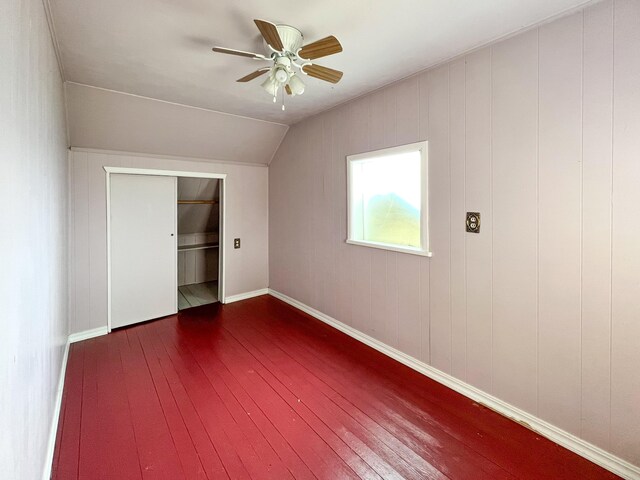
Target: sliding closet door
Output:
{"points": [[143, 248]]}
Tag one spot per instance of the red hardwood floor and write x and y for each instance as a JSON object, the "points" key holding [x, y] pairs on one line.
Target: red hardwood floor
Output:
{"points": [[257, 389]]}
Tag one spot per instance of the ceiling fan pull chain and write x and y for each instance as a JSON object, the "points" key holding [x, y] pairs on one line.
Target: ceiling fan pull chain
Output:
{"points": [[283, 99]]}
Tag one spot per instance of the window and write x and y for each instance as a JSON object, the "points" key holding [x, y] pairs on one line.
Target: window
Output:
{"points": [[388, 199]]}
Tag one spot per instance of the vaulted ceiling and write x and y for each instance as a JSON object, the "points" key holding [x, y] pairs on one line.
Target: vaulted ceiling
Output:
{"points": [[162, 48]]}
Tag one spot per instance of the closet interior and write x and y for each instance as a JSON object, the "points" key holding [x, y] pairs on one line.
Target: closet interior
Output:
{"points": [[198, 241]]}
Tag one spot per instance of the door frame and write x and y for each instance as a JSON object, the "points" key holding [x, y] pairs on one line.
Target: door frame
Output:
{"points": [[170, 173]]}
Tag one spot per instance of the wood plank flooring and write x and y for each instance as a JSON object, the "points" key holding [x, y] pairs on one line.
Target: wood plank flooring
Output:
{"points": [[197, 294], [257, 389]]}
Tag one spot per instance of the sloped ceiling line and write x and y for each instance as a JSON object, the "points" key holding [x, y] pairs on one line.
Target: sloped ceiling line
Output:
{"points": [[108, 120]]}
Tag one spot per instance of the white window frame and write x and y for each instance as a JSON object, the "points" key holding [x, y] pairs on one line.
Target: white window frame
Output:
{"points": [[423, 148]]}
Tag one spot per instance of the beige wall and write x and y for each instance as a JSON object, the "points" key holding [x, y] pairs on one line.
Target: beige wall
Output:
{"points": [[33, 239], [246, 215], [541, 134]]}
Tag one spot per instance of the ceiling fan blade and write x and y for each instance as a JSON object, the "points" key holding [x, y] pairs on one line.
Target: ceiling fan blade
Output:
{"points": [[253, 75], [321, 48], [323, 73], [270, 34], [231, 51], [288, 89]]}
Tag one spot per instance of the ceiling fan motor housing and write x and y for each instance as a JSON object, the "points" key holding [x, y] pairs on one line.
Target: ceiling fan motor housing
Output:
{"points": [[291, 39]]}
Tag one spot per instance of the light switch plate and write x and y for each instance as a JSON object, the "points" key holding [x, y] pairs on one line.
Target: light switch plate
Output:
{"points": [[473, 222]]}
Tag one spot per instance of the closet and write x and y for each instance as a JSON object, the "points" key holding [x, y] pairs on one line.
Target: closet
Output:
{"points": [[198, 224], [163, 243]]}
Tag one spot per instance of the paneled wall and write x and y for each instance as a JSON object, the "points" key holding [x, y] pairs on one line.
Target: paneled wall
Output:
{"points": [[541, 134], [33, 239], [247, 216], [197, 266]]}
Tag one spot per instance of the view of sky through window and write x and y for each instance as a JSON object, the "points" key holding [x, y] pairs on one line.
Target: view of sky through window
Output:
{"points": [[388, 192]]}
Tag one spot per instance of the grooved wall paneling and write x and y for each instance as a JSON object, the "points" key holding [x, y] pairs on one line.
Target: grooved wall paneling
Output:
{"points": [[514, 119], [540, 133], [559, 214], [247, 218], [597, 159], [440, 218], [625, 301], [478, 248], [34, 192]]}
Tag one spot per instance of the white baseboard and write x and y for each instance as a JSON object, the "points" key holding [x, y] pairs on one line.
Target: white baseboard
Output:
{"points": [[87, 334], [585, 449], [57, 407], [74, 337], [244, 296]]}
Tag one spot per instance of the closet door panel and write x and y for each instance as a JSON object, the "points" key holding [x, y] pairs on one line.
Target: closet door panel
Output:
{"points": [[143, 248]]}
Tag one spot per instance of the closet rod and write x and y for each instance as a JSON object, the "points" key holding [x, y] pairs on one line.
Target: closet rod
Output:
{"points": [[197, 202]]}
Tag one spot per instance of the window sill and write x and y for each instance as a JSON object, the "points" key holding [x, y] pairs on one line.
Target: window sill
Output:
{"points": [[392, 248]]}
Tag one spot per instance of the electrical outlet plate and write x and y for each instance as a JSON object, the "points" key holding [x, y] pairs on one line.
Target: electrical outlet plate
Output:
{"points": [[236, 243], [473, 222]]}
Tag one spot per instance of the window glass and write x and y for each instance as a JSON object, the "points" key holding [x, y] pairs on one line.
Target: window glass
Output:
{"points": [[386, 199]]}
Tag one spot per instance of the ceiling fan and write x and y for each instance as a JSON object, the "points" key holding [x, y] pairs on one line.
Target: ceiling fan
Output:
{"points": [[288, 57]]}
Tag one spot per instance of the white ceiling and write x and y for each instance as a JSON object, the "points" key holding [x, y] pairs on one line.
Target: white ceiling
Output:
{"points": [[162, 48]]}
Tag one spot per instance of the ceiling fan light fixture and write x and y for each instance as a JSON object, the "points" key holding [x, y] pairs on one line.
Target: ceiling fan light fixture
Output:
{"points": [[271, 86], [296, 85], [280, 75]]}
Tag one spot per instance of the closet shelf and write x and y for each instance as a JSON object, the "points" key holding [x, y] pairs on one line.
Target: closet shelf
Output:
{"points": [[197, 202], [198, 246]]}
